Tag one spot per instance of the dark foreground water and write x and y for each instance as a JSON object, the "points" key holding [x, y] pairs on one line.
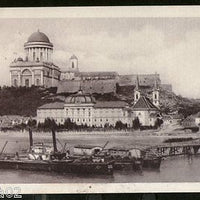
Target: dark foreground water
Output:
{"points": [[177, 169]]}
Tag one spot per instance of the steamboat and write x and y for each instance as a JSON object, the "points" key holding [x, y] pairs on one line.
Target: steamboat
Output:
{"points": [[42, 157]]}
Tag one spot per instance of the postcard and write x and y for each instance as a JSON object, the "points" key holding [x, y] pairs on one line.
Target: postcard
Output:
{"points": [[99, 99]]}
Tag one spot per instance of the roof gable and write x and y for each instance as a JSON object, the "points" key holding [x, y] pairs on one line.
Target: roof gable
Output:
{"points": [[144, 103]]}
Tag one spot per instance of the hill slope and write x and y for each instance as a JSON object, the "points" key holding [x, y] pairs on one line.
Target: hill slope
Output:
{"points": [[25, 101]]}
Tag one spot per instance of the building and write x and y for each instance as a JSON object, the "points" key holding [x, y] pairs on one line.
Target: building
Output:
{"points": [[52, 110], [197, 118], [83, 109], [146, 111], [37, 68]]}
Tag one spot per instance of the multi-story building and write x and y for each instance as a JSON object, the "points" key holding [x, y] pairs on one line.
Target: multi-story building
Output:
{"points": [[84, 109], [37, 68]]}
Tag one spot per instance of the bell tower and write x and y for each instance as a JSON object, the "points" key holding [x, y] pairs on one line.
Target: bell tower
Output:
{"points": [[155, 94], [73, 63]]}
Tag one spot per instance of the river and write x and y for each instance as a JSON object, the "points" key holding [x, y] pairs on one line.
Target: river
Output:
{"points": [[176, 169]]}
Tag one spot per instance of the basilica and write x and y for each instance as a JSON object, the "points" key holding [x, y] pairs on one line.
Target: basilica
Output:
{"points": [[37, 68]]}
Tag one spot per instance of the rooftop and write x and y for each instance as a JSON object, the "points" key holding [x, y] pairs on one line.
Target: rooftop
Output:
{"points": [[82, 146], [55, 105], [110, 104], [144, 103], [38, 37]]}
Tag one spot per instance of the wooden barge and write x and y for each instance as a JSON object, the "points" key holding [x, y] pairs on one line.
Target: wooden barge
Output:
{"points": [[137, 157]]}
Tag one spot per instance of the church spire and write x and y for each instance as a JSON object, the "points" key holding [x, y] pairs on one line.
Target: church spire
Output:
{"points": [[137, 83], [155, 85], [156, 98], [137, 90]]}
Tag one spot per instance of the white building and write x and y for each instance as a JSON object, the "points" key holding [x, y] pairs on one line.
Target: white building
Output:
{"points": [[37, 68], [146, 111], [84, 109], [51, 110]]}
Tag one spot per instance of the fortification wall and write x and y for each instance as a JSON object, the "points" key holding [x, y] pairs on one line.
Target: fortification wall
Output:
{"points": [[144, 79], [87, 86]]}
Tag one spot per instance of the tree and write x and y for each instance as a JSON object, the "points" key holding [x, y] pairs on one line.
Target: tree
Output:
{"points": [[119, 125], [136, 123], [158, 123], [50, 124]]}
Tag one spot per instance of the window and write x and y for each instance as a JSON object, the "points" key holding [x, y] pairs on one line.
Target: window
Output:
{"points": [[41, 55], [37, 82], [15, 82], [33, 55], [155, 96], [27, 82], [72, 65]]}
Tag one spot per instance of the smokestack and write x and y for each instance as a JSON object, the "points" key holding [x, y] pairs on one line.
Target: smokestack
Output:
{"points": [[54, 140], [30, 137]]}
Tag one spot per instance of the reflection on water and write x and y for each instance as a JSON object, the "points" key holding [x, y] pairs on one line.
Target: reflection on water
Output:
{"points": [[177, 169]]}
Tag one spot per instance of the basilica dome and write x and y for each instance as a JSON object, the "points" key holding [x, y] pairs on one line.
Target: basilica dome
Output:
{"points": [[80, 98], [38, 37]]}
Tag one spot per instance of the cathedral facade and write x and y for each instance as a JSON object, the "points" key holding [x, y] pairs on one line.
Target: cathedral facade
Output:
{"points": [[37, 68]]}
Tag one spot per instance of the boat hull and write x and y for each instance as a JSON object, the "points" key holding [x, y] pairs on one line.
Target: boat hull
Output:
{"points": [[152, 163], [58, 166]]}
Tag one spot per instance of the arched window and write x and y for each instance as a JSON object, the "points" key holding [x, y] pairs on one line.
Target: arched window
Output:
{"points": [[72, 65], [27, 82], [155, 96], [37, 82], [136, 96]]}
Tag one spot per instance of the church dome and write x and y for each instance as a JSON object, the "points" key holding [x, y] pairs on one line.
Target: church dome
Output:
{"points": [[38, 37], [80, 98]]}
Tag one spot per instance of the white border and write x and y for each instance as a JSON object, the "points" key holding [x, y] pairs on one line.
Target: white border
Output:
{"points": [[102, 188], [101, 12]]}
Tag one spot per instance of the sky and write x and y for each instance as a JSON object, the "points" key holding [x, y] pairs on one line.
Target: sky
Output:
{"points": [[168, 46]]}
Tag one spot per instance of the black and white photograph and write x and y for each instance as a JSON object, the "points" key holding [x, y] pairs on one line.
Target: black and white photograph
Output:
{"points": [[99, 99]]}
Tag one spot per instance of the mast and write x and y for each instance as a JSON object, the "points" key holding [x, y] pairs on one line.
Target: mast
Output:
{"points": [[30, 137], [54, 140]]}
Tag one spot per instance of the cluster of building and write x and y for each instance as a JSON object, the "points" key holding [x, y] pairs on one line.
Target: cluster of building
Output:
{"points": [[81, 107]]}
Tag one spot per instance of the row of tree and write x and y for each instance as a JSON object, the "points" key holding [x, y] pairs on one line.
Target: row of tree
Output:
{"points": [[69, 125]]}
